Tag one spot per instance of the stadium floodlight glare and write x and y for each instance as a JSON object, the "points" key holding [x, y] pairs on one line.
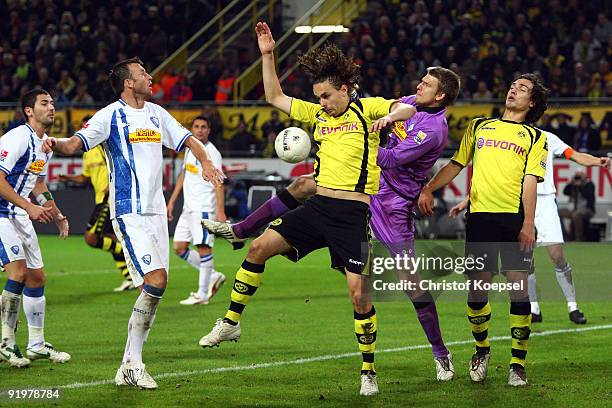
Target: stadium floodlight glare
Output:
{"points": [[320, 29]]}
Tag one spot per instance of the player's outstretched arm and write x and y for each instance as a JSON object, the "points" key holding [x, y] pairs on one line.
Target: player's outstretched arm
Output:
{"points": [[66, 147], [74, 178], [178, 187], [588, 160], [272, 87], [45, 199], [442, 178], [209, 171], [399, 112]]}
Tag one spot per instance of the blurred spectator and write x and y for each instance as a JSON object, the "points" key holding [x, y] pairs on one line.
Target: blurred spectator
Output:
{"points": [[603, 29], [82, 96], [273, 125], [579, 82], [581, 192], [482, 93], [181, 91], [599, 80], [564, 130], [532, 62], [203, 83], [243, 142], [586, 137], [225, 86], [167, 82], [583, 49]]}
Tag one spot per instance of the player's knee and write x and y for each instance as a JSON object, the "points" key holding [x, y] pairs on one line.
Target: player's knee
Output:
{"points": [[258, 251], [302, 188], [179, 249], [158, 279], [92, 240], [35, 278]]}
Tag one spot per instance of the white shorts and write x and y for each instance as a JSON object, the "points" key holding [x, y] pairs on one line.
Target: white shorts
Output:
{"points": [[18, 241], [547, 221], [189, 228], [145, 243]]}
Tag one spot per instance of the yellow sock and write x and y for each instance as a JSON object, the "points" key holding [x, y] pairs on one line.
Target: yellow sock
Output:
{"points": [[479, 316], [246, 283], [520, 329], [365, 330]]}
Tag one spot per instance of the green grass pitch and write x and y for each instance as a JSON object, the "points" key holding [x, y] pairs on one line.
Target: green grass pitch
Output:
{"points": [[298, 347]]}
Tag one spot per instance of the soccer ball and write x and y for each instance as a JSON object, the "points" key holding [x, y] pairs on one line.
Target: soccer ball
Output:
{"points": [[292, 145]]}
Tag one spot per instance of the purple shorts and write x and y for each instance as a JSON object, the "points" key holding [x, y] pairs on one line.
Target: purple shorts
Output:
{"points": [[392, 220]]}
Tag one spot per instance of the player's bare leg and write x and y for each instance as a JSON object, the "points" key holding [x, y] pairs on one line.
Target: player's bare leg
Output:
{"points": [[297, 192]]}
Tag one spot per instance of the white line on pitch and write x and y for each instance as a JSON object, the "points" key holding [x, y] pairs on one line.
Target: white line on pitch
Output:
{"points": [[329, 357]]}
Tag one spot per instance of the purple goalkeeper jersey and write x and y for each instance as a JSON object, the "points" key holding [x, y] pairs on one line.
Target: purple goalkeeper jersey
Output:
{"points": [[413, 148]]}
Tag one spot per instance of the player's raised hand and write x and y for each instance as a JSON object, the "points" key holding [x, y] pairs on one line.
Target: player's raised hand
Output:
{"points": [[426, 202], [62, 225], [39, 213], [381, 123], [48, 144], [264, 38], [212, 174], [604, 162]]}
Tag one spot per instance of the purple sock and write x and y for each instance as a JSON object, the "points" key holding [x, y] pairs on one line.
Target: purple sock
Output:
{"points": [[268, 212], [428, 317]]}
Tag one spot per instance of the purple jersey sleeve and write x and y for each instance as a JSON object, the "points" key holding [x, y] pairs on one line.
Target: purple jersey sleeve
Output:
{"points": [[409, 100], [407, 151]]}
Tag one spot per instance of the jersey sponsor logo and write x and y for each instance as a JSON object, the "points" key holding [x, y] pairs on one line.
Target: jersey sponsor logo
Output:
{"points": [[500, 144], [15, 249], [399, 130], [37, 166], [420, 137], [145, 136], [155, 121], [3, 154], [347, 127], [146, 259], [192, 168]]}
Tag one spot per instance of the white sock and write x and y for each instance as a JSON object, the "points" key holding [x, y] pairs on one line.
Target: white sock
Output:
{"points": [[192, 257], [564, 277], [533, 297], [34, 308], [10, 311], [206, 272], [139, 325]]}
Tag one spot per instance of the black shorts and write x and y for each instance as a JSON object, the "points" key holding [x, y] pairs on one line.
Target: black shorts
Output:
{"points": [[343, 226], [494, 235], [99, 221]]}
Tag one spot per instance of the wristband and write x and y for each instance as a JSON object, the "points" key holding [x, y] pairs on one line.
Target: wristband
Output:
{"points": [[44, 197]]}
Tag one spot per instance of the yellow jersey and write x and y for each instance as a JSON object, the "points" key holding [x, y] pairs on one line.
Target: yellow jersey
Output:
{"points": [[502, 153], [346, 159], [94, 167]]}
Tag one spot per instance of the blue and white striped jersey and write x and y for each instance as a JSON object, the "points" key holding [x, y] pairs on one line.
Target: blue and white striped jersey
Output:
{"points": [[23, 161], [132, 141]]}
